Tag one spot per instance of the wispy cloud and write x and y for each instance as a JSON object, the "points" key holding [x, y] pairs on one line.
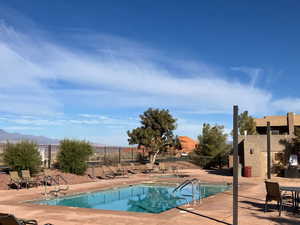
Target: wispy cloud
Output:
{"points": [[87, 119], [291, 104], [118, 81], [253, 73], [42, 78]]}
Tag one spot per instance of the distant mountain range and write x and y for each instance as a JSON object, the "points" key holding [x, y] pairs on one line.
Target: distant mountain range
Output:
{"points": [[14, 137]]}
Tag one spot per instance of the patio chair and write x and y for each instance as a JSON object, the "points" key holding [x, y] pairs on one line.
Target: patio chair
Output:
{"points": [[106, 172], [9, 219], [122, 169], [162, 167], [115, 172], [28, 179], [132, 169], [119, 171], [91, 172], [15, 179], [273, 194], [46, 173], [149, 168]]}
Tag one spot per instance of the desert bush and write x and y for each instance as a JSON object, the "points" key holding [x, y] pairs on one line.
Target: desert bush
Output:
{"points": [[73, 155], [22, 156]]}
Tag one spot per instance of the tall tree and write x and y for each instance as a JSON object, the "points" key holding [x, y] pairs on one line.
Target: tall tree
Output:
{"points": [[246, 123], [155, 132], [212, 149]]}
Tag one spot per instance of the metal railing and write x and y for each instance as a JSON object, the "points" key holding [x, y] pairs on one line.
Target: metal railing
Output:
{"points": [[60, 183], [195, 185]]}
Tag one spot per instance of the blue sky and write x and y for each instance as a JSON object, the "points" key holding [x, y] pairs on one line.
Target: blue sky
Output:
{"points": [[87, 69]]}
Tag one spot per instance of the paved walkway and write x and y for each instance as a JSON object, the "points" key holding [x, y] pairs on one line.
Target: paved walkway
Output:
{"points": [[213, 210]]}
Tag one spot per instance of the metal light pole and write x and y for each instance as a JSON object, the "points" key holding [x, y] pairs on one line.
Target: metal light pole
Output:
{"points": [[269, 150], [49, 156], [235, 166]]}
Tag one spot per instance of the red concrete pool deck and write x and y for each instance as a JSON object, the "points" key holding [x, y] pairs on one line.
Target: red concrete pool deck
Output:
{"points": [[216, 209]]}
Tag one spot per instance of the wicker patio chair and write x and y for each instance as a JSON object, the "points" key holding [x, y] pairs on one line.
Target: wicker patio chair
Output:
{"points": [[273, 194], [132, 169], [162, 167], [15, 179], [122, 169], [28, 179], [149, 168], [115, 172], [9, 219], [107, 173]]}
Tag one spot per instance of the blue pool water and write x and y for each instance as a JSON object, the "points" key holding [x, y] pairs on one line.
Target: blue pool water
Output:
{"points": [[137, 198]]}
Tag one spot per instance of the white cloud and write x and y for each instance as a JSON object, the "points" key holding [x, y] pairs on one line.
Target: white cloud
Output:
{"points": [[65, 121], [253, 73], [287, 105], [119, 81], [41, 78]]}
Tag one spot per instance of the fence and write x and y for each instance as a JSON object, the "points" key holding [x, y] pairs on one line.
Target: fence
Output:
{"points": [[102, 155], [111, 155], [114, 154]]}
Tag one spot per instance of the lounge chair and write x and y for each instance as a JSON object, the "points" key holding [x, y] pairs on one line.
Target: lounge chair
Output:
{"points": [[104, 173], [100, 174], [29, 181], [132, 169], [122, 169], [91, 172], [46, 173], [149, 168], [111, 170], [9, 219], [117, 172], [162, 167], [107, 171], [15, 179], [273, 194], [97, 172]]}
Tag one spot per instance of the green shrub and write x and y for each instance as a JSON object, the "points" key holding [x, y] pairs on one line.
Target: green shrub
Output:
{"points": [[73, 155], [212, 150], [22, 156]]}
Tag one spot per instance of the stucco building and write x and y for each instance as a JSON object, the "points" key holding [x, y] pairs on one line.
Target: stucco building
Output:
{"points": [[253, 148]]}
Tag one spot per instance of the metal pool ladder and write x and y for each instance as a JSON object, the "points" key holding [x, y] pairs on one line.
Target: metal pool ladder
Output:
{"points": [[195, 185], [59, 187]]}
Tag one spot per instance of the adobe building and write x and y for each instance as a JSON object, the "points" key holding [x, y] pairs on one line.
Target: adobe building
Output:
{"points": [[253, 148]]}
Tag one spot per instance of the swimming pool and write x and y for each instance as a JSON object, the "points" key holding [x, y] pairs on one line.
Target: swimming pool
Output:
{"points": [[137, 198]]}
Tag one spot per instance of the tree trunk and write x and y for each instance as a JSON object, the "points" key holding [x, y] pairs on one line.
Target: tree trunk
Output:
{"points": [[154, 157]]}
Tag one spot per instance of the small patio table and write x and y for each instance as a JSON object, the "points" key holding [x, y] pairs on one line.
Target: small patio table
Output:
{"points": [[295, 194]]}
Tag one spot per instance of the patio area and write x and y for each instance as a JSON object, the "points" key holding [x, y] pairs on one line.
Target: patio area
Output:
{"points": [[216, 209]]}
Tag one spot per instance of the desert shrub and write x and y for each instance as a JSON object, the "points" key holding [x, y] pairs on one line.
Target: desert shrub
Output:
{"points": [[73, 155], [22, 156]]}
